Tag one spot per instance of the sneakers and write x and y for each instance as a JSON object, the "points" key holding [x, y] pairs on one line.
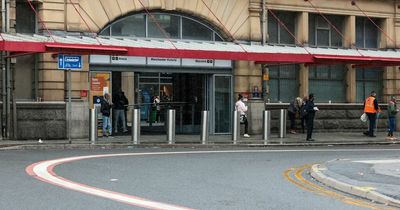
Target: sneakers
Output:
{"points": [[292, 131], [246, 135]]}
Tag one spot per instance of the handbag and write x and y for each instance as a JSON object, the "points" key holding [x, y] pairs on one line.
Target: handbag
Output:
{"points": [[364, 117], [242, 119]]}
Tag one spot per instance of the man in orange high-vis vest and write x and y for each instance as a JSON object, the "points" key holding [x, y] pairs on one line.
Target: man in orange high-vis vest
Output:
{"points": [[371, 108]]}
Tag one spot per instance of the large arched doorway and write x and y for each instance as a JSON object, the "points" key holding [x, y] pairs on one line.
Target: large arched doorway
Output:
{"points": [[187, 85]]}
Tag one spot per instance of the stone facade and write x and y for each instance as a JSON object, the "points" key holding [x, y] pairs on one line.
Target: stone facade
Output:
{"points": [[235, 20], [41, 120]]}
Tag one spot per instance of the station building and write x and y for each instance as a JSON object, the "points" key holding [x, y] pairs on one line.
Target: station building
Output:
{"points": [[34, 90]]}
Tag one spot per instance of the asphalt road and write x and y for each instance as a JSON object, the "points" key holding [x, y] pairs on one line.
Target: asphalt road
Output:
{"points": [[241, 179]]}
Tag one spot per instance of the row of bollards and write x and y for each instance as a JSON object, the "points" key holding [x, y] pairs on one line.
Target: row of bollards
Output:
{"points": [[204, 126]]}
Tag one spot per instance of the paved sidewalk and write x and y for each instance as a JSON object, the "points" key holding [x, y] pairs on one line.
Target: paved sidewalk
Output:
{"points": [[321, 139], [376, 180]]}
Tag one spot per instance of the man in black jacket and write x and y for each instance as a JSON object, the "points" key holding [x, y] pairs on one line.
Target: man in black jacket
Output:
{"points": [[120, 102], [310, 109]]}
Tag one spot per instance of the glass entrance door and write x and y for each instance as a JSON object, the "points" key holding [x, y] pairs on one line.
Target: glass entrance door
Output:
{"points": [[222, 103]]}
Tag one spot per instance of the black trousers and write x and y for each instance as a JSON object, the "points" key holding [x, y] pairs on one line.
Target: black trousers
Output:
{"points": [[292, 117], [246, 125], [310, 126], [372, 123]]}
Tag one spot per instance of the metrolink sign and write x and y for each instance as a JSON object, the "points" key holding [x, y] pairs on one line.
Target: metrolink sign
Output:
{"points": [[156, 61]]}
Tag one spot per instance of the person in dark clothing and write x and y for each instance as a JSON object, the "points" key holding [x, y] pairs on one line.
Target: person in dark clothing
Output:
{"points": [[120, 101], [105, 109], [311, 109], [371, 108], [303, 113]]}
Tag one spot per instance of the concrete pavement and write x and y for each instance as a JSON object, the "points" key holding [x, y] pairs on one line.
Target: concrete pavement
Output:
{"points": [[376, 180], [321, 139]]}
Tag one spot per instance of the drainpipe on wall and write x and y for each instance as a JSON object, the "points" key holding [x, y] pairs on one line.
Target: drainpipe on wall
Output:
{"points": [[8, 73], [264, 68], [3, 70]]}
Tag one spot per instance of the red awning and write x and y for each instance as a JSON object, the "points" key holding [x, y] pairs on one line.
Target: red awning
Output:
{"points": [[268, 54]]}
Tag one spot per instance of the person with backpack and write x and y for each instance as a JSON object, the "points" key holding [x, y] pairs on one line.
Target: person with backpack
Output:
{"points": [[293, 110], [392, 111]]}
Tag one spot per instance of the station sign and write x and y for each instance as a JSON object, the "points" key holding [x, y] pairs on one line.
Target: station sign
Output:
{"points": [[73, 62]]}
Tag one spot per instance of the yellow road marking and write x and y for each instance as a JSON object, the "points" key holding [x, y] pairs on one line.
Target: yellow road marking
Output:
{"points": [[294, 175]]}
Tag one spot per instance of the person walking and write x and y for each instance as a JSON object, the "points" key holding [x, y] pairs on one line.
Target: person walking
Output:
{"points": [[120, 101], [105, 109], [242, 108], [293, 111], [392, 111], [371, 108], [311, 109]]}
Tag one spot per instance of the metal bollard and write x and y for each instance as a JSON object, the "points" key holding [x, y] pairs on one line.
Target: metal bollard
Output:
{"points": [[282, 123], [236, 127], [136, 126], [266, 126], [204, 134], [93, 125], [171, 126]]}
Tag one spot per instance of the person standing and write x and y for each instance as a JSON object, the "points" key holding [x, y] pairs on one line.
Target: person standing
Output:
{"points": [[156, 103], [126, 104], [242, 109], [293, 110], [311, 109], [392, 111], [105, 109], [371, 108], [303, 113], [119, 110]]}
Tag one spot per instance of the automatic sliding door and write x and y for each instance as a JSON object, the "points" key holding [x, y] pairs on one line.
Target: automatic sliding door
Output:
{"points": [[222, 103]]}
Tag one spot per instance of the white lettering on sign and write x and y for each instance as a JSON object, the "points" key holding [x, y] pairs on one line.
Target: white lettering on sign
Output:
{"points": [[163, 61], [128, 60], [198, 62], [71, 59]]}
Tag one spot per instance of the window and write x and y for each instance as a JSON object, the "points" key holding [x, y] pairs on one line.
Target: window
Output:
{"points": [[169, 23], [25, 18], [367, 35], [328, 83], [283, 83], [130, 26], [367, 80], [194, 30], [278, 34], [322, 33], [176, 27]]}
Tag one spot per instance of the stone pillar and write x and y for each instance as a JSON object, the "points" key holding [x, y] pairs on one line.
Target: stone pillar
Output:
{"points": [[302, 36], [254, 19], [302, 29], [303, 80], [349, 31], [351, 84]]}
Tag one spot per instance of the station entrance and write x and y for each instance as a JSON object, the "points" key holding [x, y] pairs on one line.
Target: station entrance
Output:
{"points": [[187, 93]]}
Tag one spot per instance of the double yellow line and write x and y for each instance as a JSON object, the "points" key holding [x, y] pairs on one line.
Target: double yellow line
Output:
{"points": [[295, 176]]}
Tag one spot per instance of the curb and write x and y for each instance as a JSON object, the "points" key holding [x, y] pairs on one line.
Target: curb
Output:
{"points": [[351, 189], [124, 145]]}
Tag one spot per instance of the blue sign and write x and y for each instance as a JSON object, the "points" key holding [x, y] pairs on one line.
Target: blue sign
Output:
{"points": [[69, 61]]}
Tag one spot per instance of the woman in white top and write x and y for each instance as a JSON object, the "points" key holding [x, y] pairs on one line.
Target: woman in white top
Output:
{"points": [[242, 108]]}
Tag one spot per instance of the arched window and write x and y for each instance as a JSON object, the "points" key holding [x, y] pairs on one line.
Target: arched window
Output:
{"points": [[176, 26]]}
